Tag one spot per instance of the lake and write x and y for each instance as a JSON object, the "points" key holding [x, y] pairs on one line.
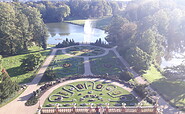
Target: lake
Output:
{"points": [[60, 31]]}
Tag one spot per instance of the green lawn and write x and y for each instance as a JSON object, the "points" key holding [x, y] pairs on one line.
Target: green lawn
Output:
{"points": [[108, 93], [77, 22], [152, 74], [12, 65], [106, 64], [101, 23]]}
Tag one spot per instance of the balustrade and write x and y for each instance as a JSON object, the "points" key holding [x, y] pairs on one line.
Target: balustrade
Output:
{"points": [[107, 110]]}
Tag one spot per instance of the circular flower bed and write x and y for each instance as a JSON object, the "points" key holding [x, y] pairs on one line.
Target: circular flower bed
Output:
{"points": [[107, 65]]}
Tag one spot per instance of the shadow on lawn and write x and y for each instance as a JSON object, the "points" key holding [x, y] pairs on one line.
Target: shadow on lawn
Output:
{"points": [[16, 71], [172, 91]]}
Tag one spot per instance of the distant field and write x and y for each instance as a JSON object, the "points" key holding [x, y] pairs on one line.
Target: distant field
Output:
{"points": [[12, 65], [101, 23]]}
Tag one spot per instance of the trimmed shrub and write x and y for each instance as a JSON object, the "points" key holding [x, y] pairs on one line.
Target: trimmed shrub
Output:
{"points": [[126, 75]]}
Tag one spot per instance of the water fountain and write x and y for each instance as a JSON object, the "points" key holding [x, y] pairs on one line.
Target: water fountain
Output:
{"points": [[88, 31]]}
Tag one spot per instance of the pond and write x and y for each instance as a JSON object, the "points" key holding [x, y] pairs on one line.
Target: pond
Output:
{"points": [[60, 31], [173, 59]]}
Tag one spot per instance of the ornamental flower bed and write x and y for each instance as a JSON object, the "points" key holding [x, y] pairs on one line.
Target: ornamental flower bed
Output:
{"points": [[80, 86], [66, 65], [99, 86]]}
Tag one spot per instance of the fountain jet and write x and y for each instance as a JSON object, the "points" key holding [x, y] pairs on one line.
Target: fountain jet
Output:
{"points": [[88, 31]]}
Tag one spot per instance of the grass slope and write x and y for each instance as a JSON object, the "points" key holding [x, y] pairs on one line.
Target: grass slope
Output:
{"points": [[12, 65], [152, 74], [101, 23]]}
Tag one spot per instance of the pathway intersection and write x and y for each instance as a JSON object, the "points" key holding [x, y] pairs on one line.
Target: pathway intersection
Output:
{"points": [[17, 106]]}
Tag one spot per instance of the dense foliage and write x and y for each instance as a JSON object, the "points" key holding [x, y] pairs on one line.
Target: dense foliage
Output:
{"points": [[31, 62], [94, 8], [1, 61], [101, 43], [146, 29], [126, 75], [56, 11], [175, 72], [50, 74], [20, 26], [51, 11]]}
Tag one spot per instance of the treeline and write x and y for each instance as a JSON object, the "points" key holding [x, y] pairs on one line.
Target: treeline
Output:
{"points": [[146, 29], [21, 26], [51, 11], [56, 11]]}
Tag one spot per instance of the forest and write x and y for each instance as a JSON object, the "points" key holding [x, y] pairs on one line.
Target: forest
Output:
{"points": [[147, 30]]}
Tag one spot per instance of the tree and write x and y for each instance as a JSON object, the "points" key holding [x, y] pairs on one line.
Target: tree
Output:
{"points": [[7, 87], [50, 74], [175, 72], [1, 62], [31, 62], [126, 75], [138, 58], [20, 26]]}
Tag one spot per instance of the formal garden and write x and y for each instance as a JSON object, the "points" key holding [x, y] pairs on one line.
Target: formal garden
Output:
{"points": [[86, 93], [106, 64], [85, 51], [63, 66]]}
